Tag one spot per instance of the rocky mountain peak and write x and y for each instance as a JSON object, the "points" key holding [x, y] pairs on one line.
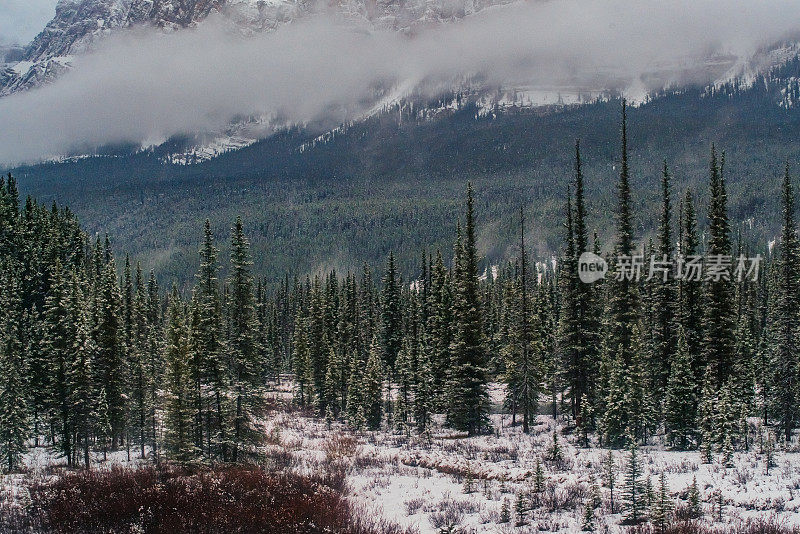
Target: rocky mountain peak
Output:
{"points": [[79, 24]]}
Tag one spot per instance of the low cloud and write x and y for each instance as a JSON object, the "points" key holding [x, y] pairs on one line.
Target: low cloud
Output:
{"points": [[143, 86]]}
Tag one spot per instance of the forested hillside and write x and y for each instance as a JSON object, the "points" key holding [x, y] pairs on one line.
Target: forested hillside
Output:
{"points": [[91, 359], [389, 182]]}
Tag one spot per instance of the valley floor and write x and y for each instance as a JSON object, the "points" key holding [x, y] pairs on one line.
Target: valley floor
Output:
{"points": [[421, 482], [450, 483]]}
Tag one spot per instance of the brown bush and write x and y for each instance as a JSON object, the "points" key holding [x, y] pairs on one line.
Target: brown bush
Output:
{"points": [[171, 500], [339, 447]]}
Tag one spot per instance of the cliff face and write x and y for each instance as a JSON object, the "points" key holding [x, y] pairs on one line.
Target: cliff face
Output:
{"points": [[78, 24]]}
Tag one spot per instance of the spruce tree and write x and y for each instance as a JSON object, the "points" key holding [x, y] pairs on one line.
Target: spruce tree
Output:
{"points": [[469, 398], [538, 476], [304, 380], [367, 311], [82, 397], [373, 388], [623, 292], [588, 518], [505, 512], [108, 335], [317, 340], [509, 339], [707, 415], [179, 412], [695, 506], [633, 491], [438, 331], [627, 409], [727, 420], [333, 379], [556, 452], [102, 416], [38, 367], [665, 297], [242, 345], [530, 355], [391, 315], [127, 303], [742, 382], [568, 326], [355, 392], [9, 213], [644, 406], [663, 506], [623, 302], [690, 291], [13, 402], [207, 369], [423, 391], [59, 340], [524, 349], [521, 510], [347, 338], [719, 319], [153, 360], [587, 324], [680, 417], [785, 321], [137, 370], [404, 378], [129, 356]]}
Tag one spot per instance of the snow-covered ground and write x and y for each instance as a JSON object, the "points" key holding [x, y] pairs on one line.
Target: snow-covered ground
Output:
{"points": [[448, 480], [421, 482]]}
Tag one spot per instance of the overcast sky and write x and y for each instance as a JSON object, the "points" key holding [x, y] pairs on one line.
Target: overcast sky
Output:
{"points": [[21, 20], [145, 86]]}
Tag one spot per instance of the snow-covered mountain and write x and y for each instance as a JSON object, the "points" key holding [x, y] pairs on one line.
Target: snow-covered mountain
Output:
{"points": [[80, 24]]}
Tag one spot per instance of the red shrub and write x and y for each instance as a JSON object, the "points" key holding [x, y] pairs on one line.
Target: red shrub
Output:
{"points": [[175, 501]]}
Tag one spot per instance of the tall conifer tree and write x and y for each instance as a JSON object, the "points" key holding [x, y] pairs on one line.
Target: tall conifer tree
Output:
{"points": [[391, 314], [179, 413], [664, 295], [373, 382], [13, 402], [587, 325], [207, 369], [681, 398], [523, 372], [690, 290], [242, 344], [785, 321], [622, 309], [469, 397], [568, 342], [719, 320]]}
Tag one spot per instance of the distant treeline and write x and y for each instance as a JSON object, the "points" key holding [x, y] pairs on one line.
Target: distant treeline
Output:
{"points": [[93, 360]]}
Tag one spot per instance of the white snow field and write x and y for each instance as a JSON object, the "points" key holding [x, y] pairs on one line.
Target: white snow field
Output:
{"points": [[446, 482], [421, 481]]}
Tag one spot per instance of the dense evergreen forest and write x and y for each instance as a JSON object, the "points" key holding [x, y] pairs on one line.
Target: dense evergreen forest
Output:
{"points": [[94, 360], [393, 181]]}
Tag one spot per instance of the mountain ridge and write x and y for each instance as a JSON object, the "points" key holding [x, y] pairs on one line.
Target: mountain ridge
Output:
{"points": [[353, 196], [78, 25]]}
